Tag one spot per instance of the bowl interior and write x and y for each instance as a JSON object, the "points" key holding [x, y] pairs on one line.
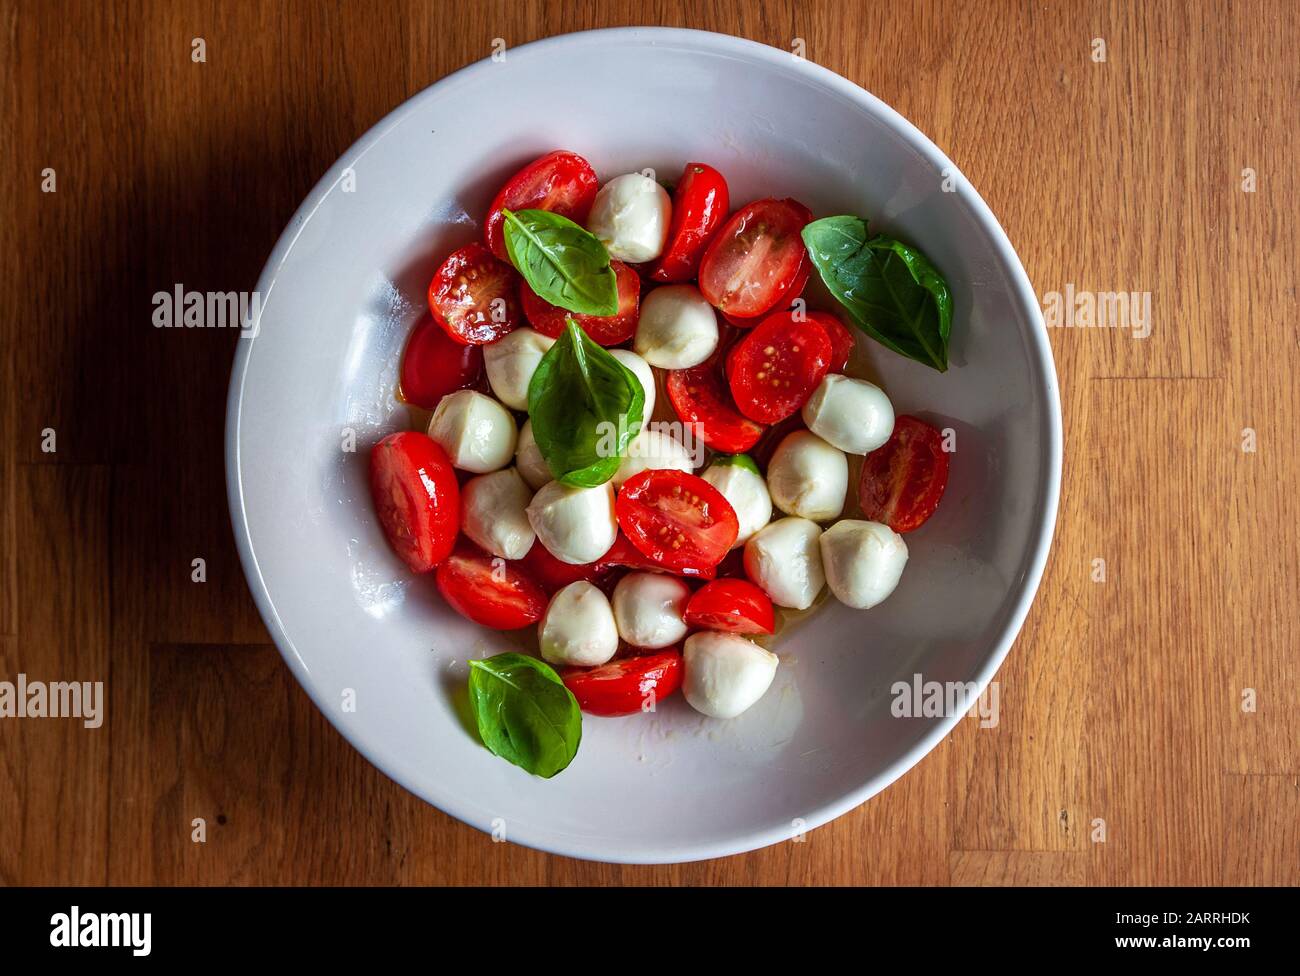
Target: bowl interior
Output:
{"points": [[377, 649]]}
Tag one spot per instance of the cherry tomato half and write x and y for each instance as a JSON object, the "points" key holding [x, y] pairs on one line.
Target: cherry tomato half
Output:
{"points": [[627, 685], [733, 605], [701, 396], [474, 297], [840, 336], [782, 304], [434, 365], [756, 258], [552, 574], [623, 555], [417, 498], [561, 182], [775, 368], [489, 590], [902, 482], [700, 205], [677, 519], [607, 330]]}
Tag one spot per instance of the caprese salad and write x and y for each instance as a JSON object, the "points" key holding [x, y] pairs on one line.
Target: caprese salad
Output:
{"points": [[640, 438]]}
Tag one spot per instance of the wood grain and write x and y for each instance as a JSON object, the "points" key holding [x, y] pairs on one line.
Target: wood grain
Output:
{"points": [[1124, 754]]}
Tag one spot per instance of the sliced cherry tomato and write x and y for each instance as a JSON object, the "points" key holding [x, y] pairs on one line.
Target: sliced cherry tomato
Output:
{"points": [[701, 396], [782, 304], [474, 297], [700, 205], [840, 336], [623, 555], [627, 685], [733, 605], [488, 590], [608, 330], [903, 481], [677, 519], [755, 260], [552, 574], [434, 365], [561, 182], [417, 498], [778, 365]]}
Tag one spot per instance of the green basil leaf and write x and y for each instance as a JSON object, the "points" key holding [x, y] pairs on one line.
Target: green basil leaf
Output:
{"points": [[586, 407], [524, 713], [890, 289], [564, 264], [739, 460]]}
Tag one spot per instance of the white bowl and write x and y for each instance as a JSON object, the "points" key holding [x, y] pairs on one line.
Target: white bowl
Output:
{"points": [[339, 294]]}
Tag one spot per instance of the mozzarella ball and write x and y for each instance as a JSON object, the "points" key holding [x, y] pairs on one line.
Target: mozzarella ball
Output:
{"points": [[578, 627], [650, 609], [494, 513], [511, 362], [677, 328], [808, 477], [784, 560], [653, 449], [863, 561], [850, 414], [642, 370], [529, 460], [746, 491], [576, 525], [725, 673], [477, 433], [630, 216]]}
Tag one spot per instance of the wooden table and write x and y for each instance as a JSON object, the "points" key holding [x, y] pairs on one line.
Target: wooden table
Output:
{"points": [[1122, 701]]}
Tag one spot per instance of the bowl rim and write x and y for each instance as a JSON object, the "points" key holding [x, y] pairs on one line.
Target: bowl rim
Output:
{"points": [[1021, 291]]}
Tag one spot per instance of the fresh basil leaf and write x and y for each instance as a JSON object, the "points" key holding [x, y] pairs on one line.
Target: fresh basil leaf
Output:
{"points": [[890, 289], [566, 265], [524, 713], [586, 407], [738, 460]]}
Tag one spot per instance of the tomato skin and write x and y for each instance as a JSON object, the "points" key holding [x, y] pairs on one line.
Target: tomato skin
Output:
{"points": [[620, 687], [552, 574], [607, 330], [462, 293], [700, 205], [902, 482], [433, 365], [839, 335], [417, 498], [756, 259], [677, 519], [734, 605], [699, 395], [775, 368], [623, 555], [561, 182], [489, 591]]}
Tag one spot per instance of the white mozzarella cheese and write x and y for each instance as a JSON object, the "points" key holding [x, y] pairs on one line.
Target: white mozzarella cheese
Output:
{"points": [[850, 414], [650, 609], [785, 561], [808, 477], [677, 328], [630, 216], [511, 362], [643, 372], [494, 513], [576, 525], [529, 460], [477, 433], [747, 492], [725, 673], [653, 449], [863, 561], [578, 627]]}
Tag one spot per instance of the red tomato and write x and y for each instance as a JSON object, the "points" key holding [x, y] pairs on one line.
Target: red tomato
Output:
{"points": [[757, 257], [700, 205], [561, 182], [734, 605], [783, 303], [775, 368], [552, 574], [434, 365], [416, 497], [700, 396], [677, 519], [473, 296], [489, 590], [840, 336], [902, 482], [625, 686], [608, 330], [623, 555]]}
